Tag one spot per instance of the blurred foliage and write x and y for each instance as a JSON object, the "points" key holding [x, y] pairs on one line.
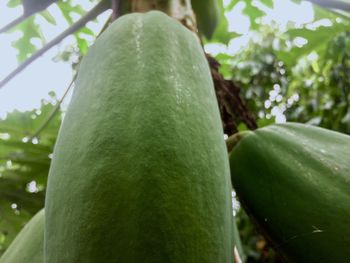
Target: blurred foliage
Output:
{"points": [[67, 9], [24, 165], [324, 87], [295, 73]]}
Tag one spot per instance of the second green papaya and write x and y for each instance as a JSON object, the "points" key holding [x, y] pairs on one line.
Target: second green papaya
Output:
{"points": [[294, 181]]}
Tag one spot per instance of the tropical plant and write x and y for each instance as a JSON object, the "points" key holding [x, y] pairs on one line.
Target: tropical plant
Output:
{"points": [[295, 73]]}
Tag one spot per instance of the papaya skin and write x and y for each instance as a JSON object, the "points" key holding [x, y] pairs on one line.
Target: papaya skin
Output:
{"points": [[28, 246], [294, 181], [140, 171]]}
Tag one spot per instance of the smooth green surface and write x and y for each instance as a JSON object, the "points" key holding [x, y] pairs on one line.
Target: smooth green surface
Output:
{"points": [[294, 180], [207, 15], [28, 246], [140, 171]]}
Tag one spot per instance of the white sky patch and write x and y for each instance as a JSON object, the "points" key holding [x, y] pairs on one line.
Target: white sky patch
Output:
{"points": [[215, 48], [281, 14], [323, 22], [286, 11], [299, 41], [238, 22], [32, 187], [312, 56], [238, 43]]}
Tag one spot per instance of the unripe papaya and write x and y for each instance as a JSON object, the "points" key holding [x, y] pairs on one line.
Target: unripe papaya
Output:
{"points": [[294, 181], [28, 246], [208, 16], [140, 172]]}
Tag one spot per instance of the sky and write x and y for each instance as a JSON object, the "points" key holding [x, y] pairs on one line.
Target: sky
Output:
{"points": [[27, 89]]}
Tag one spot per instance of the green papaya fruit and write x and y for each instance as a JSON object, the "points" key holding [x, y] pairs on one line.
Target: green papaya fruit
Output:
{"points": [[28, 246], [208, 15], [140, 172], [294, 181]]}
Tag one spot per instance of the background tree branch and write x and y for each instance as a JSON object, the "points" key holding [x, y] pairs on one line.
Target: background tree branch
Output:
{"points": [[92, 14]]}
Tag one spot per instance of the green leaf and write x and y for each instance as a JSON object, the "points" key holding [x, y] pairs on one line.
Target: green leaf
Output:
{"points": [[253, 14], [82, 44], [87, 31], [10, 223], [222, 34], [23, 164], [30, 30], [67, 8], [21, 124], [322, 13], [316, 41], [48, 17], [268, 3], [265, 122], [14, 3], [231, 5]]}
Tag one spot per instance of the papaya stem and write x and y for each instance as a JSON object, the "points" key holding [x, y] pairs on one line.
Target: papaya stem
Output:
{"points": [[92, 14]]}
